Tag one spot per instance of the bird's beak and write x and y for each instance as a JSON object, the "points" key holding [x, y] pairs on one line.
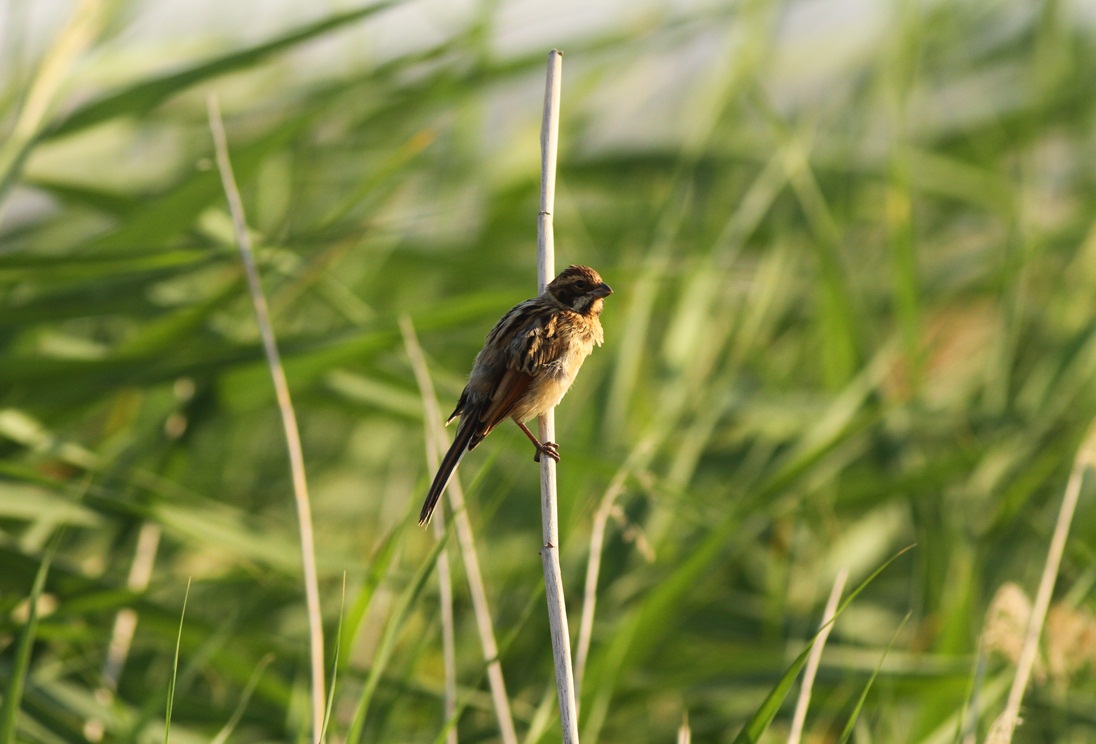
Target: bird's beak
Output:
{"points": [[602, 290]]}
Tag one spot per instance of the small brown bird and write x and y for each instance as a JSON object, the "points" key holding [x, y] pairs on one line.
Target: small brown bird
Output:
{"points": [[527, 363]]}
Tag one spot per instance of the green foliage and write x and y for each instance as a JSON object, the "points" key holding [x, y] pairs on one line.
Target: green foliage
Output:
{"points": [[854, 261]]}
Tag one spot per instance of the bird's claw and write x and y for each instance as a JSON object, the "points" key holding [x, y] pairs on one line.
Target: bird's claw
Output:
{"points": [[548, 448]]}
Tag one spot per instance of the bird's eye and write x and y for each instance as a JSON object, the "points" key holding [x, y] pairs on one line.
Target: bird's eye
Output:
{"points": [[582, 285]]}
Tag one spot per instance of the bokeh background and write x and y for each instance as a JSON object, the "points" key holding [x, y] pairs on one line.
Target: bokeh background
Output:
{"points": [[854, 256]]}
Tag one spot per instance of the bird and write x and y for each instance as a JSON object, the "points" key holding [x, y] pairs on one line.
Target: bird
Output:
{"points": [[527, 364]]}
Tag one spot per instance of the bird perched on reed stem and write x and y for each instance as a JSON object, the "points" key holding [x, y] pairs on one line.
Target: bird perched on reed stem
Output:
{"points": [[527, 363]]}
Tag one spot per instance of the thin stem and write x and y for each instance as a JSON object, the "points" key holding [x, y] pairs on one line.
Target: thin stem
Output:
{"points": [[289, 416], [639, 458], [445, 599], [175, 668], [593, 571], [434, 448], [1003, 728], [465, 539], [684, 733], [804, 701], [553, 579]]}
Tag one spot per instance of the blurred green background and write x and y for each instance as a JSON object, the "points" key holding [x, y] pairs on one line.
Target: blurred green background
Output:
{"points": [[854, 259]]}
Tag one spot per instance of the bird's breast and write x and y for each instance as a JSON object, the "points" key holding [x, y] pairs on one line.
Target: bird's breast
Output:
{"points": [[552, 381]]}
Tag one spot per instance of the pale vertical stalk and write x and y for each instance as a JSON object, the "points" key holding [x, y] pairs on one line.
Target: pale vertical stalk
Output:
{"points": [[553, 578], [465, 539], [684, 733], [549, 149], [125, 624], [445, 599], [638, 460], [140, 573], [431, 413], [289, 416], [1003, 728], [811, 670], [593, 571]]}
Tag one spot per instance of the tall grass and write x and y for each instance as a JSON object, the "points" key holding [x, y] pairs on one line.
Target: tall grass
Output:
{"points": [[853, 256]]}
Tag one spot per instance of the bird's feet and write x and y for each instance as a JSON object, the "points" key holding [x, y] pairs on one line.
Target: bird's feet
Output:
{"points": [[547, 448]]}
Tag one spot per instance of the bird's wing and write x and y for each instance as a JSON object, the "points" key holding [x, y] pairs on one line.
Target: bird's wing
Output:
{"points": [[537, 345], [533, 344], [511, 386]]}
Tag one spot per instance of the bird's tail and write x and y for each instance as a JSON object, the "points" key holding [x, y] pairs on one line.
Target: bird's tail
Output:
{"points": [[445, 471]]}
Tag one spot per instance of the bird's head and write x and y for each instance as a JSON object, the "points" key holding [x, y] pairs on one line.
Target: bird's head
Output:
{"points": [[581, 289]]}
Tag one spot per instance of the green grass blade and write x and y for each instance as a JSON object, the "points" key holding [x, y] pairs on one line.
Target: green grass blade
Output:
{"points": [[20, 668], [397, 622], [245, 698], [751, 733], [846, 734], [175, 668], [334, 663]]}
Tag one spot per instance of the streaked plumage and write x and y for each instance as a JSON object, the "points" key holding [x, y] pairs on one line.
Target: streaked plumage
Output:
{"points": [[527, 363]]}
